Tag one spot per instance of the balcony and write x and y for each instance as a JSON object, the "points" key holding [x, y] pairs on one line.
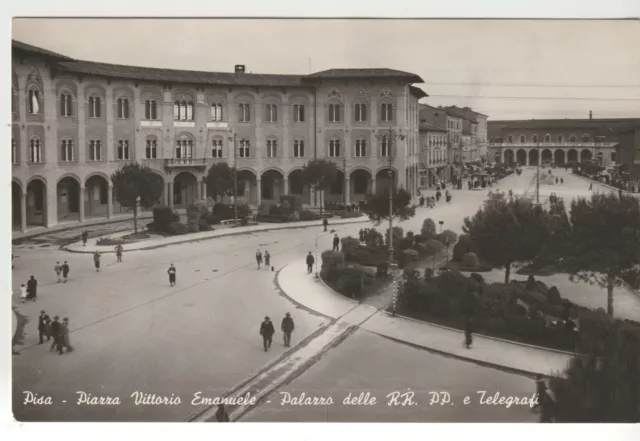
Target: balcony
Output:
{"points": [[531, 144], [185, 163]]}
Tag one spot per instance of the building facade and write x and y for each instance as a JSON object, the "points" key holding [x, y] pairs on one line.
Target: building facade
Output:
{"points": [[76, 122], [433, 155]]}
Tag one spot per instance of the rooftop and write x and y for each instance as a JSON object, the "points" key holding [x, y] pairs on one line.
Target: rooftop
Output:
{"points": [[24, 47], [426, 127], [366, 73], [464, 113]]}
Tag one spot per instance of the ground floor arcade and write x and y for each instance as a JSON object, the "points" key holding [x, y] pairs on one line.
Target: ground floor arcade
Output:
{"points": [[558, 156]]}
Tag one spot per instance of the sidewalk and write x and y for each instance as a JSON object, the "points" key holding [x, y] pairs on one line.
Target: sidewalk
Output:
{"points": [[312, 294], [159, 242]]}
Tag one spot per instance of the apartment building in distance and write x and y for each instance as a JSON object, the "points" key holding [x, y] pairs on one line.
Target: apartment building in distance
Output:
{"points": [[75, 122]]}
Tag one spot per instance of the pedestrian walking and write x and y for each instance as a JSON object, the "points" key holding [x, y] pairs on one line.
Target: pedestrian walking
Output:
{"points": [[267, 331], [96, 260], [468, 333], [448, 196], [258, 258], [32, 288], [325, 224], [58, 270], [23, 293], [310, 262], [85, 236], [172, 275], [591, 186], [287, 328], [267, 260], [438, 196], [336, 243], [65, 335], [422, 201], [42, 326], [65, 271], [561, 181], [119, 253], [56, 329]]}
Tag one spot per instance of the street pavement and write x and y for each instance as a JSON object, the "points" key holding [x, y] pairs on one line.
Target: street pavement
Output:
{"points": [[132, 332]]}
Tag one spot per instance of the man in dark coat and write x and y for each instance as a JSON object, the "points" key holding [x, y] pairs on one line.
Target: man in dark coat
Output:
{"points": [[56, 333], [287, 328], [267, 331], [325, 223], [336, 243], [65, 271], [32, 288], [42, 326], [85, 236], [310, 262]]}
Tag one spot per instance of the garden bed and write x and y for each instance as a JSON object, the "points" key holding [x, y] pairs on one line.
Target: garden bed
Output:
{"points": [[533, 270], [123, 240]]}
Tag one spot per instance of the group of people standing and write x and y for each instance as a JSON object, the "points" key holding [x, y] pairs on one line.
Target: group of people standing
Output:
{"points": [[29, 291], [432, 200], [267, 259], [56, 330], [267, 330]]}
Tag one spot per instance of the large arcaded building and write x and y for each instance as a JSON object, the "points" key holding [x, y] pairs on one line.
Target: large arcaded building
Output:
{"points": [[76, 122]]}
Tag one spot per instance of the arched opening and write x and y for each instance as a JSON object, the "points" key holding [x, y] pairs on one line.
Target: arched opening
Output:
{"points": [[497, 157], [585, 155], [272, 185], [335, 195], [247, 190], [36, 203], [547, 156], [386, 179], [185, 189], [533, 157], [600, 158], [572, 155], [508, 157], [360, 183], [16, 209], [298, 188], [558, 156], [521, 156], [96, 196], [68, 195]]}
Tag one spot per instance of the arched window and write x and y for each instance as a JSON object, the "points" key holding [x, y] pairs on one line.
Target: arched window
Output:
{"points": [[150, 110], [360, 112], [298, 148], [573, 138], [334, 112], [271, 113], [298, 113], [510, 139], [95, 150], [272, 148], [360, 148], [94, 107], [522, 139], [34, 100], [386, 112], [123, 108], [35, 150], [547, 138], [66, 105], [560, 139], [123, 149], [183, 110], [534, 139], [216, 112], [151, 149], [184, 148], [66, 150], [244, 112], [385, 147], [244, 146], [216, 148], [334, 148]]}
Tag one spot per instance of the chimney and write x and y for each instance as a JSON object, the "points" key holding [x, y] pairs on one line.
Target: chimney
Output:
{"points": [[590, 114], [239, 68]]}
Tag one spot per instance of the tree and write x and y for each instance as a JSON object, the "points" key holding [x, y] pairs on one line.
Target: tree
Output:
{"points": [[432, 248], [378, 206], [508, 231], [137, 185], [428, 229], [220, 179], [448, 238], [604, 241], [319, 174]]}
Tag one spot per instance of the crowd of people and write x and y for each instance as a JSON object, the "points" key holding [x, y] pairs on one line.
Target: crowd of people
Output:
{"points": [[56, 331]]}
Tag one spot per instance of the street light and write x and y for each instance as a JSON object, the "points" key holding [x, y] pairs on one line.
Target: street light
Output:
{"points": [[441, 223]]}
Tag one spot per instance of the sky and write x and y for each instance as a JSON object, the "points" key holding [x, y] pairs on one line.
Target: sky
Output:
{"points": [[506, 69]]}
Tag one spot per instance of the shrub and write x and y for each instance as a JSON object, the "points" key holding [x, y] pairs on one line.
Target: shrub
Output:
{"points": [[398, 234], [367, 256], [306, 215], [331, 258], [285, 208], [382, 269], [470, 260], [350, 214], [406, 243], [272, 218], [428, 229], [266, 207], [193, 225], [419, 238], [349, 280], [421, 248], [477, 277], [440, 307], [411, 254], [531, 283], [193, 212], [428, 274], [462, 247], [151, 226], [349, 244], [162, 217], [175, 217], [210, 219], [203, 225], [178, 228], [517, 310], [553, 296]]}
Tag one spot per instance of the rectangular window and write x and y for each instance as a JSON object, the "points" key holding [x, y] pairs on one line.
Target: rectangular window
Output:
{"points": [[176, 111], [94, 107], [34, 151], [151, 151], [271, 113], [150, 110], [244, 113], [190, 111], [123, 149], [334, 148], [272, 149], [216, 112], [123, 108], [298, 113], [216, 148], [244, 148], [65, 105], [66, 154], [95, 150], [360, 148], [361, 112], [385, 148], [34, 102], [298, 149], [386, 112], [334, 112]]}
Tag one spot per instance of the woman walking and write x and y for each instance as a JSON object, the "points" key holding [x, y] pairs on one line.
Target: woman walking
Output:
{"points": [[258, 258], [64, 337], [172, 275]]}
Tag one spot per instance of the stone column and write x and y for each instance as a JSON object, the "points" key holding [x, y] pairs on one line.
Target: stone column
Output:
{"points": [[204, 190], [23, 212], [373, 185], [109, 201], [286, 186], [81, 195], [347, 189], [247, 191], [259, 189], [198, 190], [170, 194], [51, 212]]}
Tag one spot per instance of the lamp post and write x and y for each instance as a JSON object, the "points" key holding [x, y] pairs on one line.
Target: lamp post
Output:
{"points": [[235, 182]]}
